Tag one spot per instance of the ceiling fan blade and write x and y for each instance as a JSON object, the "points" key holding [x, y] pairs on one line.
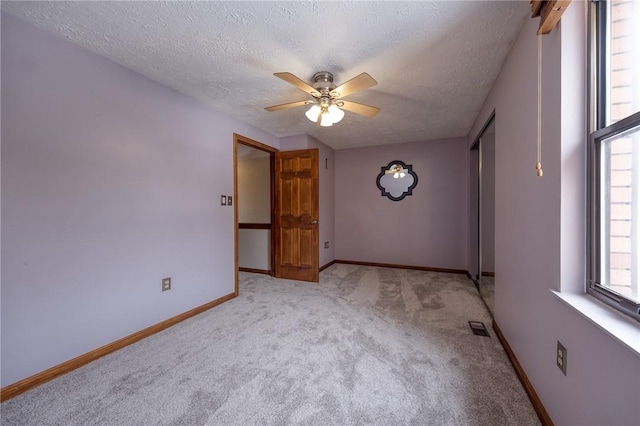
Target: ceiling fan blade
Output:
{"points": [[287, 105], [366, 110], [300, 84], [354, 85]]}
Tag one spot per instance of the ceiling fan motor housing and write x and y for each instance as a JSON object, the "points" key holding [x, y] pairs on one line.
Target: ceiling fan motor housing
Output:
{"points": [[323, 82]]}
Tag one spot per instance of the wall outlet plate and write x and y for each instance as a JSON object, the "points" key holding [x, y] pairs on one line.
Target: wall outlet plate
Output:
{"points": [[561, 358], [229, 200], [326, 244], [166, 284]]}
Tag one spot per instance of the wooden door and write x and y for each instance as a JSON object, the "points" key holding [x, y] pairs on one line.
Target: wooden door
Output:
{"points": [[297, 215]]}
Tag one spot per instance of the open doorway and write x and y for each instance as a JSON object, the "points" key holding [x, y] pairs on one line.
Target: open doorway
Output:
{"points": [[254, 201]]}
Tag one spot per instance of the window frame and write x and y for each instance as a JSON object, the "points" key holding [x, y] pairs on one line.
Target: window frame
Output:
{"points": [[599, 33]]}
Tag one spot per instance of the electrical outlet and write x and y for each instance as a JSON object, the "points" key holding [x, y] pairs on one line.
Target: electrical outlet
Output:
{"points": [[229, 200], [561, 358], [166, 284], [223, 200], [326, 244]]}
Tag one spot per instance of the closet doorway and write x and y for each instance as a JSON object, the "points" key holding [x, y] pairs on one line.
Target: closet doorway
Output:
{"points": [[482, 219]]}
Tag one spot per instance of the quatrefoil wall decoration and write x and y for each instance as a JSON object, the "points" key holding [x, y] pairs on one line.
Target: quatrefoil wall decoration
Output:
{"points": [[396, 180]]}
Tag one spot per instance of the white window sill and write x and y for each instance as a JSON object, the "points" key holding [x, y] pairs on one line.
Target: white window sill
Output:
{"points": [[625, 330]]}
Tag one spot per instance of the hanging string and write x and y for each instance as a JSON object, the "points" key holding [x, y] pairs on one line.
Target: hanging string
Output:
{"points": [[539, 162]]}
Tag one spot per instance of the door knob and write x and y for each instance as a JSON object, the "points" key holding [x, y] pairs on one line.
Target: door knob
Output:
{"points": [[314, 222]]}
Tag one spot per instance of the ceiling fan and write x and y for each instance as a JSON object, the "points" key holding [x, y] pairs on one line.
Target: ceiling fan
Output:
{"points": [[397, 170], [327, 103]]}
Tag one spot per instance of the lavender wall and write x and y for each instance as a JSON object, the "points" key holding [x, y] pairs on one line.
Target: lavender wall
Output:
{"points": [[426, 229], [110, 182], [326, 175], [540, 237]]}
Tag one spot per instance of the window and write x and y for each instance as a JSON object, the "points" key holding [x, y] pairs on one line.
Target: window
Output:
{"points": [[614, 155]]}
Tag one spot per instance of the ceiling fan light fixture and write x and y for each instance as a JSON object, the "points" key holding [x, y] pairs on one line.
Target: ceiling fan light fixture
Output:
{"points": [[326, 120], [335, 113], [313, 112], [328, 115]]}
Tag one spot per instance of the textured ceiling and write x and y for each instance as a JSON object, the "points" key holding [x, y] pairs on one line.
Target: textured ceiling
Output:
{"points": [[434, 61]]}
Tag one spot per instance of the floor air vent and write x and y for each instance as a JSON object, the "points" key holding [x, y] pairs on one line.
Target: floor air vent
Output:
{"points": [[479, 329]]}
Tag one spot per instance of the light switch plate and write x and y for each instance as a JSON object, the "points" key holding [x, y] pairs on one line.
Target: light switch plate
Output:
{"points": [[223, 200], [229, 200]]}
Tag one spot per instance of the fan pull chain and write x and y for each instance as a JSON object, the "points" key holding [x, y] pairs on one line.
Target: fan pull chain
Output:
{"points": [[539, 171]]}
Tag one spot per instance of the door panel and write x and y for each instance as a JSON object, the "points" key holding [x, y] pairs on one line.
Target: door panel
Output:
{"points": [[297, 215]]}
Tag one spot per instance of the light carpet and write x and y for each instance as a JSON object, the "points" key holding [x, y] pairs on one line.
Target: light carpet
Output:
{"points": [[364, 346]]}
